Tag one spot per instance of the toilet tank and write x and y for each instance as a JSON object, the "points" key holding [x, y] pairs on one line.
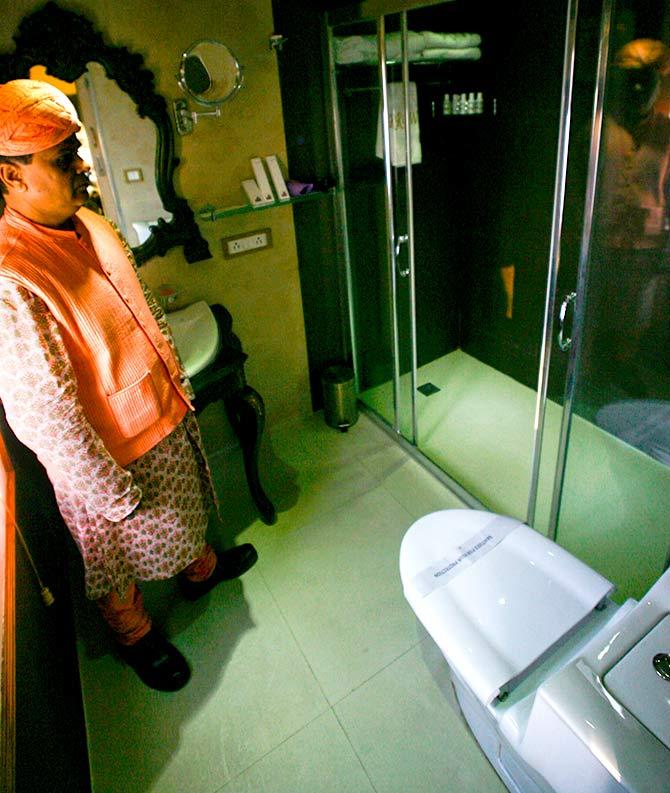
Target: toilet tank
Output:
{"points": [[611, 704], [494, 594]]}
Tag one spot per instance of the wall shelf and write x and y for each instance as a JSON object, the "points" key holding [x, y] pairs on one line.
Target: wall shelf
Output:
{"points": [[210, 213]]}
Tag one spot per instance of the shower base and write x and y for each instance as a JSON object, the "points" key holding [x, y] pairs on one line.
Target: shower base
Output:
{"points": [[478, 430]]}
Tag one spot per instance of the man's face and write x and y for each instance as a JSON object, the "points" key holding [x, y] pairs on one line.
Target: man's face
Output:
{"points": [[634, 92], [53, 185]]}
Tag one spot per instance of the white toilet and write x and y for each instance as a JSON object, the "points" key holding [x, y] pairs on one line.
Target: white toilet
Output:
{"points": [[564, 690]]}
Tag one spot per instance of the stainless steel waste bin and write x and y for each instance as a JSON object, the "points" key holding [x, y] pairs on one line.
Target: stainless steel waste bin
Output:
{"points": [[339, 397]]}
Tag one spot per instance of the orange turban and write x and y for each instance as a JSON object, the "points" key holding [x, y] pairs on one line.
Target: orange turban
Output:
{"points": [[34, 116], [641, 53]]}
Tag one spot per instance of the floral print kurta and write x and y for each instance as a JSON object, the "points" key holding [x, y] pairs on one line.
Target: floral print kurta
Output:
{"points": [[144, 522]]}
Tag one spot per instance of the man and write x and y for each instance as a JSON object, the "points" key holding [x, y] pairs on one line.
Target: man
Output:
{"points": [[629, 275], [91, 382]]}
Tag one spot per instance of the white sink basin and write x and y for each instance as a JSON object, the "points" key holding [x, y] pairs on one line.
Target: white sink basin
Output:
{"points": [[196, 335]]}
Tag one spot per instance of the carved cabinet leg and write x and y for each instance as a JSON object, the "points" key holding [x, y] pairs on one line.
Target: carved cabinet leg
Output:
{"points": [[246, 413]]}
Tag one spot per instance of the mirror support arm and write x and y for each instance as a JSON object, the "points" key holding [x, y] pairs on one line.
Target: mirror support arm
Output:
{"points": [[186, 119]]}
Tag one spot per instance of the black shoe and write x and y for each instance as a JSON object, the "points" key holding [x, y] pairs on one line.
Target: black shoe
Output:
{"points": [[229, 564], [158, 663]]}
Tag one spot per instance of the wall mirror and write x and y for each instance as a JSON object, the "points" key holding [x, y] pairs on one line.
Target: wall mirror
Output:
{"points": [[209, 73], [112, 85]]}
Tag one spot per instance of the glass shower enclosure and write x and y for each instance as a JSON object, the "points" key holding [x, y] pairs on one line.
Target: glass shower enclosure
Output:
{"points": [[467, 144]]}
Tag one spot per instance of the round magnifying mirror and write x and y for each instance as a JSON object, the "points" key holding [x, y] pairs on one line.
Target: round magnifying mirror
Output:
{"points": [[209, 72]]}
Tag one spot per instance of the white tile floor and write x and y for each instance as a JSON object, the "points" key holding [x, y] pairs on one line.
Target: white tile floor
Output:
{"points": [[310, 674]]}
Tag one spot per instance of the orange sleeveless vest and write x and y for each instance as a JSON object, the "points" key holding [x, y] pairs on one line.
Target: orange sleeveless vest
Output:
{"points": [[128, 379]]}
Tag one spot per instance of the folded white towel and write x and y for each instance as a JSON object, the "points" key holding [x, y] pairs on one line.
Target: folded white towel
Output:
{"points": [[396, 113], [450, 40], [363, 49], [415, 44], [355, 49], [448, 54]]}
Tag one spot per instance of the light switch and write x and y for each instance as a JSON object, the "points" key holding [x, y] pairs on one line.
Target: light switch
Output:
{"points": [[133, 175]]}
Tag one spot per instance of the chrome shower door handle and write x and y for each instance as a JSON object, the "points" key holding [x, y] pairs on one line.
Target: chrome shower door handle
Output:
{"points": [[564, 342], [401, 240]]}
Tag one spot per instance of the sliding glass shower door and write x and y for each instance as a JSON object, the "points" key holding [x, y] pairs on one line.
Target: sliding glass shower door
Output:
{"points": [[484, 207], [611, 499], [376, 214]]}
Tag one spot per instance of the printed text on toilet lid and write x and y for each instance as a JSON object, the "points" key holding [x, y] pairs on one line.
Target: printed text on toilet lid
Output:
{"points": [[438, 574]]}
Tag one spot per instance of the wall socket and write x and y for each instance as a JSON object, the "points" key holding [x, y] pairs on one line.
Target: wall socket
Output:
{"points": [[248, 242]]}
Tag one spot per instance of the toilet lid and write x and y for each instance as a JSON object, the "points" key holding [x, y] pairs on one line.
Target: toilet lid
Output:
{"points": [[494, 594]]}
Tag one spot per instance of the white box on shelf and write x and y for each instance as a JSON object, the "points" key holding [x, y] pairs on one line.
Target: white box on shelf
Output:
{"points": [[277, 178], [254, 194], [262, 179]]}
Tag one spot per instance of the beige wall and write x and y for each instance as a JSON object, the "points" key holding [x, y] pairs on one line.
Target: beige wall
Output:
{"points": [[261, 290]]}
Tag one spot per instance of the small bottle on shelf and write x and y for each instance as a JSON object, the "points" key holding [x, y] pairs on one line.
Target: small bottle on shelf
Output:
{"points": [[446, 105], [479, 102], [472, 108]]}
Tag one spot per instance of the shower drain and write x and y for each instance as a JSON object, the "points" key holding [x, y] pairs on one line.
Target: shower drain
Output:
{"points": [[428, 389]]}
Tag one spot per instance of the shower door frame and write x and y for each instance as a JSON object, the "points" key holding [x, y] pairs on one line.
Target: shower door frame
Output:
{"points": [[560, 183], [369, 11], [377, 10], [583, 266]]}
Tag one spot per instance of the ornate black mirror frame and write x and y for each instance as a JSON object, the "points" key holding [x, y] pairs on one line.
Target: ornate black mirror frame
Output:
{"points": [[64, 42]]}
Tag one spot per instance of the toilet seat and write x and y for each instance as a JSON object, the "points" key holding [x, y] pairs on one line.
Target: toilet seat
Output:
{"points": [[503, 595]]}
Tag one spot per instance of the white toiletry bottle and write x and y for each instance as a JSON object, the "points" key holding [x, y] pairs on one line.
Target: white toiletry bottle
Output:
{"points": [[479, 103], [471, 103], [446, 105]]}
